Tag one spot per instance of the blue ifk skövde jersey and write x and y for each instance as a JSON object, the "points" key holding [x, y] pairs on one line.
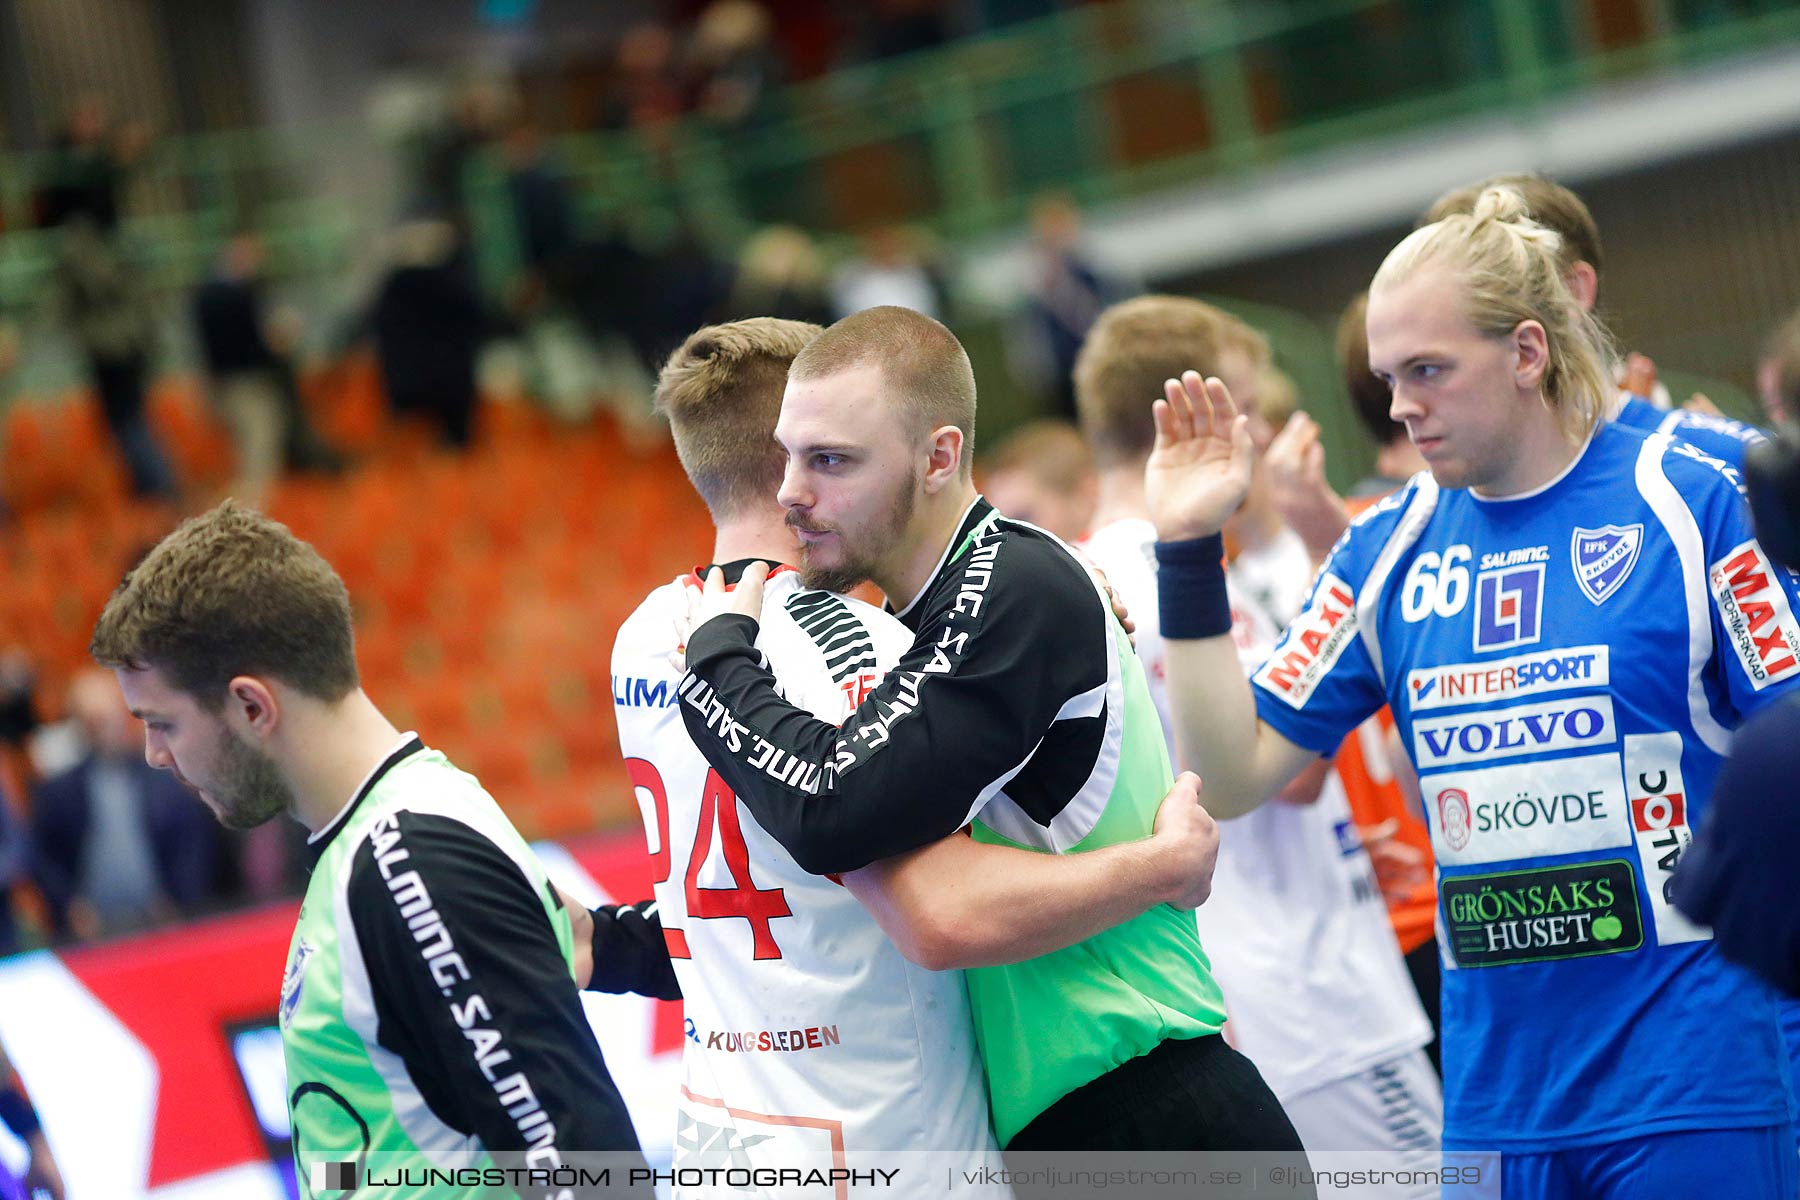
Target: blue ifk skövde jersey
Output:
{"points": [[1565, 668], [1723, 438]]}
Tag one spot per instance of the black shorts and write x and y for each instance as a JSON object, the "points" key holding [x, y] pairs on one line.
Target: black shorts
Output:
{"points": [[1187, 1094]]}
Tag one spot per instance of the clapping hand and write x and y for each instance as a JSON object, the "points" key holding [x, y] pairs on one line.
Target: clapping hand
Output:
{"points": [[1199, 471]]}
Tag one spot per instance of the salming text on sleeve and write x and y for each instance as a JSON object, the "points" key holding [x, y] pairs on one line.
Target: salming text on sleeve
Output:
{"points": [[1003, 687]]}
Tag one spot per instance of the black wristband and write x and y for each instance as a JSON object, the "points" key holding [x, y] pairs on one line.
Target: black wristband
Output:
{"points": [[1191, 600], [17, 1112]]}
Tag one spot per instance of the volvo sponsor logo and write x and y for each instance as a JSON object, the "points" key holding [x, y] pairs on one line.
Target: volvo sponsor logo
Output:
{"points": [[1509, 732], [1507, 678]]}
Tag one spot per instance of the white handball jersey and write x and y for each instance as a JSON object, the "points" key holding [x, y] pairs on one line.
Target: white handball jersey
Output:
{"points": [[1296, 927], [808, 1033]]}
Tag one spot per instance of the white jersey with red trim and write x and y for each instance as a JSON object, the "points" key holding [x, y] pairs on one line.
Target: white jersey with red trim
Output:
{"points": [[1296, 928], [808, 1033]]}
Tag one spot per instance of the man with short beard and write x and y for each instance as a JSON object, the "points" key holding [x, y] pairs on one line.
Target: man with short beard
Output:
{"points": [[429, 1011], [1019, 709]]}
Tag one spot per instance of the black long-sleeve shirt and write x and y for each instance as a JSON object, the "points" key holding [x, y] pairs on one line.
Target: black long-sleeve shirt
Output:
{"points": [[1004, 690]]}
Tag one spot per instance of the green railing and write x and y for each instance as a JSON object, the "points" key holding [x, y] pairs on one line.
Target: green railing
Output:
{"points": [[1103, 101]]}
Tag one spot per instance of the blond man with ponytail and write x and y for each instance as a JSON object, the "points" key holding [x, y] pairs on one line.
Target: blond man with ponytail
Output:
{"points": [[1568, 618]]}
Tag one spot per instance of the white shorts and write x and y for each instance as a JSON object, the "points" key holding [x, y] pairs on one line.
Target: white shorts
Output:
{"points": [[1390, 1116]]}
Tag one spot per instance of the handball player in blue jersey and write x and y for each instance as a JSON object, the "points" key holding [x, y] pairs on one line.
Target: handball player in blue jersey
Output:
{"points": [[1568, 619]]}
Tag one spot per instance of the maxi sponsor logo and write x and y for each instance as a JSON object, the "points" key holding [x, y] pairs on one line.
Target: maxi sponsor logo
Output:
{"points": [[1582, 723], [1507, 678], [1754, 608], [1313, 644], [1525, 810], [1659, 823], [1542, 915]]}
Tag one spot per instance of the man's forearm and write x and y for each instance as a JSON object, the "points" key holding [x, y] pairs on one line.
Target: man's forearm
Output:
{"points": [[959, 903], [1217, 733]]}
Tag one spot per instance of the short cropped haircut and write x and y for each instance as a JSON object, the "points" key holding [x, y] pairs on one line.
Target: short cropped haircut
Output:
{"points": [[1370, 397], [1136, 345], [1050, 451], [1548, 202], [231, 592], [721, 391], [925, 368]]}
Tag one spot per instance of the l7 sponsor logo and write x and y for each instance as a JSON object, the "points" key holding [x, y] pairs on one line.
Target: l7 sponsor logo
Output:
{"points": [[1754, 608], [1509, 607], [1507, 678], [1585, 723], [1313, 643]]}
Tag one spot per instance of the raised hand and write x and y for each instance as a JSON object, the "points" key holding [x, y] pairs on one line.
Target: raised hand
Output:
{"points": [[1295, 462], [1199, 471]]}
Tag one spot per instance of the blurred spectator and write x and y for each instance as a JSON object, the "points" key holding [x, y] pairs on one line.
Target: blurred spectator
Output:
{"points": [[1043, 473], [243, 370], [1778, 374], [779, 274], [646, 96], [895, 27], [116, 844], [246, 345], [90, 162], [429, 327], [734, 62], [543, 216], [892, 269], [1067, 290], [102, 300], [476, 115], [18, 721], [97, 293], [1396, 458]]}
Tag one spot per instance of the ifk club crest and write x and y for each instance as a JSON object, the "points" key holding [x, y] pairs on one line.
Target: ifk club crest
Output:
{"points": [[1604, 557]]}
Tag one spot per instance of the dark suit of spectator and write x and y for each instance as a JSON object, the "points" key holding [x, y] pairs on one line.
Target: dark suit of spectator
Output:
{"points": [[122, 838], [429, 325]]}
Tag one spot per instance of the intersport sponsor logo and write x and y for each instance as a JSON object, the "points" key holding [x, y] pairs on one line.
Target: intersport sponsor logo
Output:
{"points": [[1574, 724], [1507, 678]]}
